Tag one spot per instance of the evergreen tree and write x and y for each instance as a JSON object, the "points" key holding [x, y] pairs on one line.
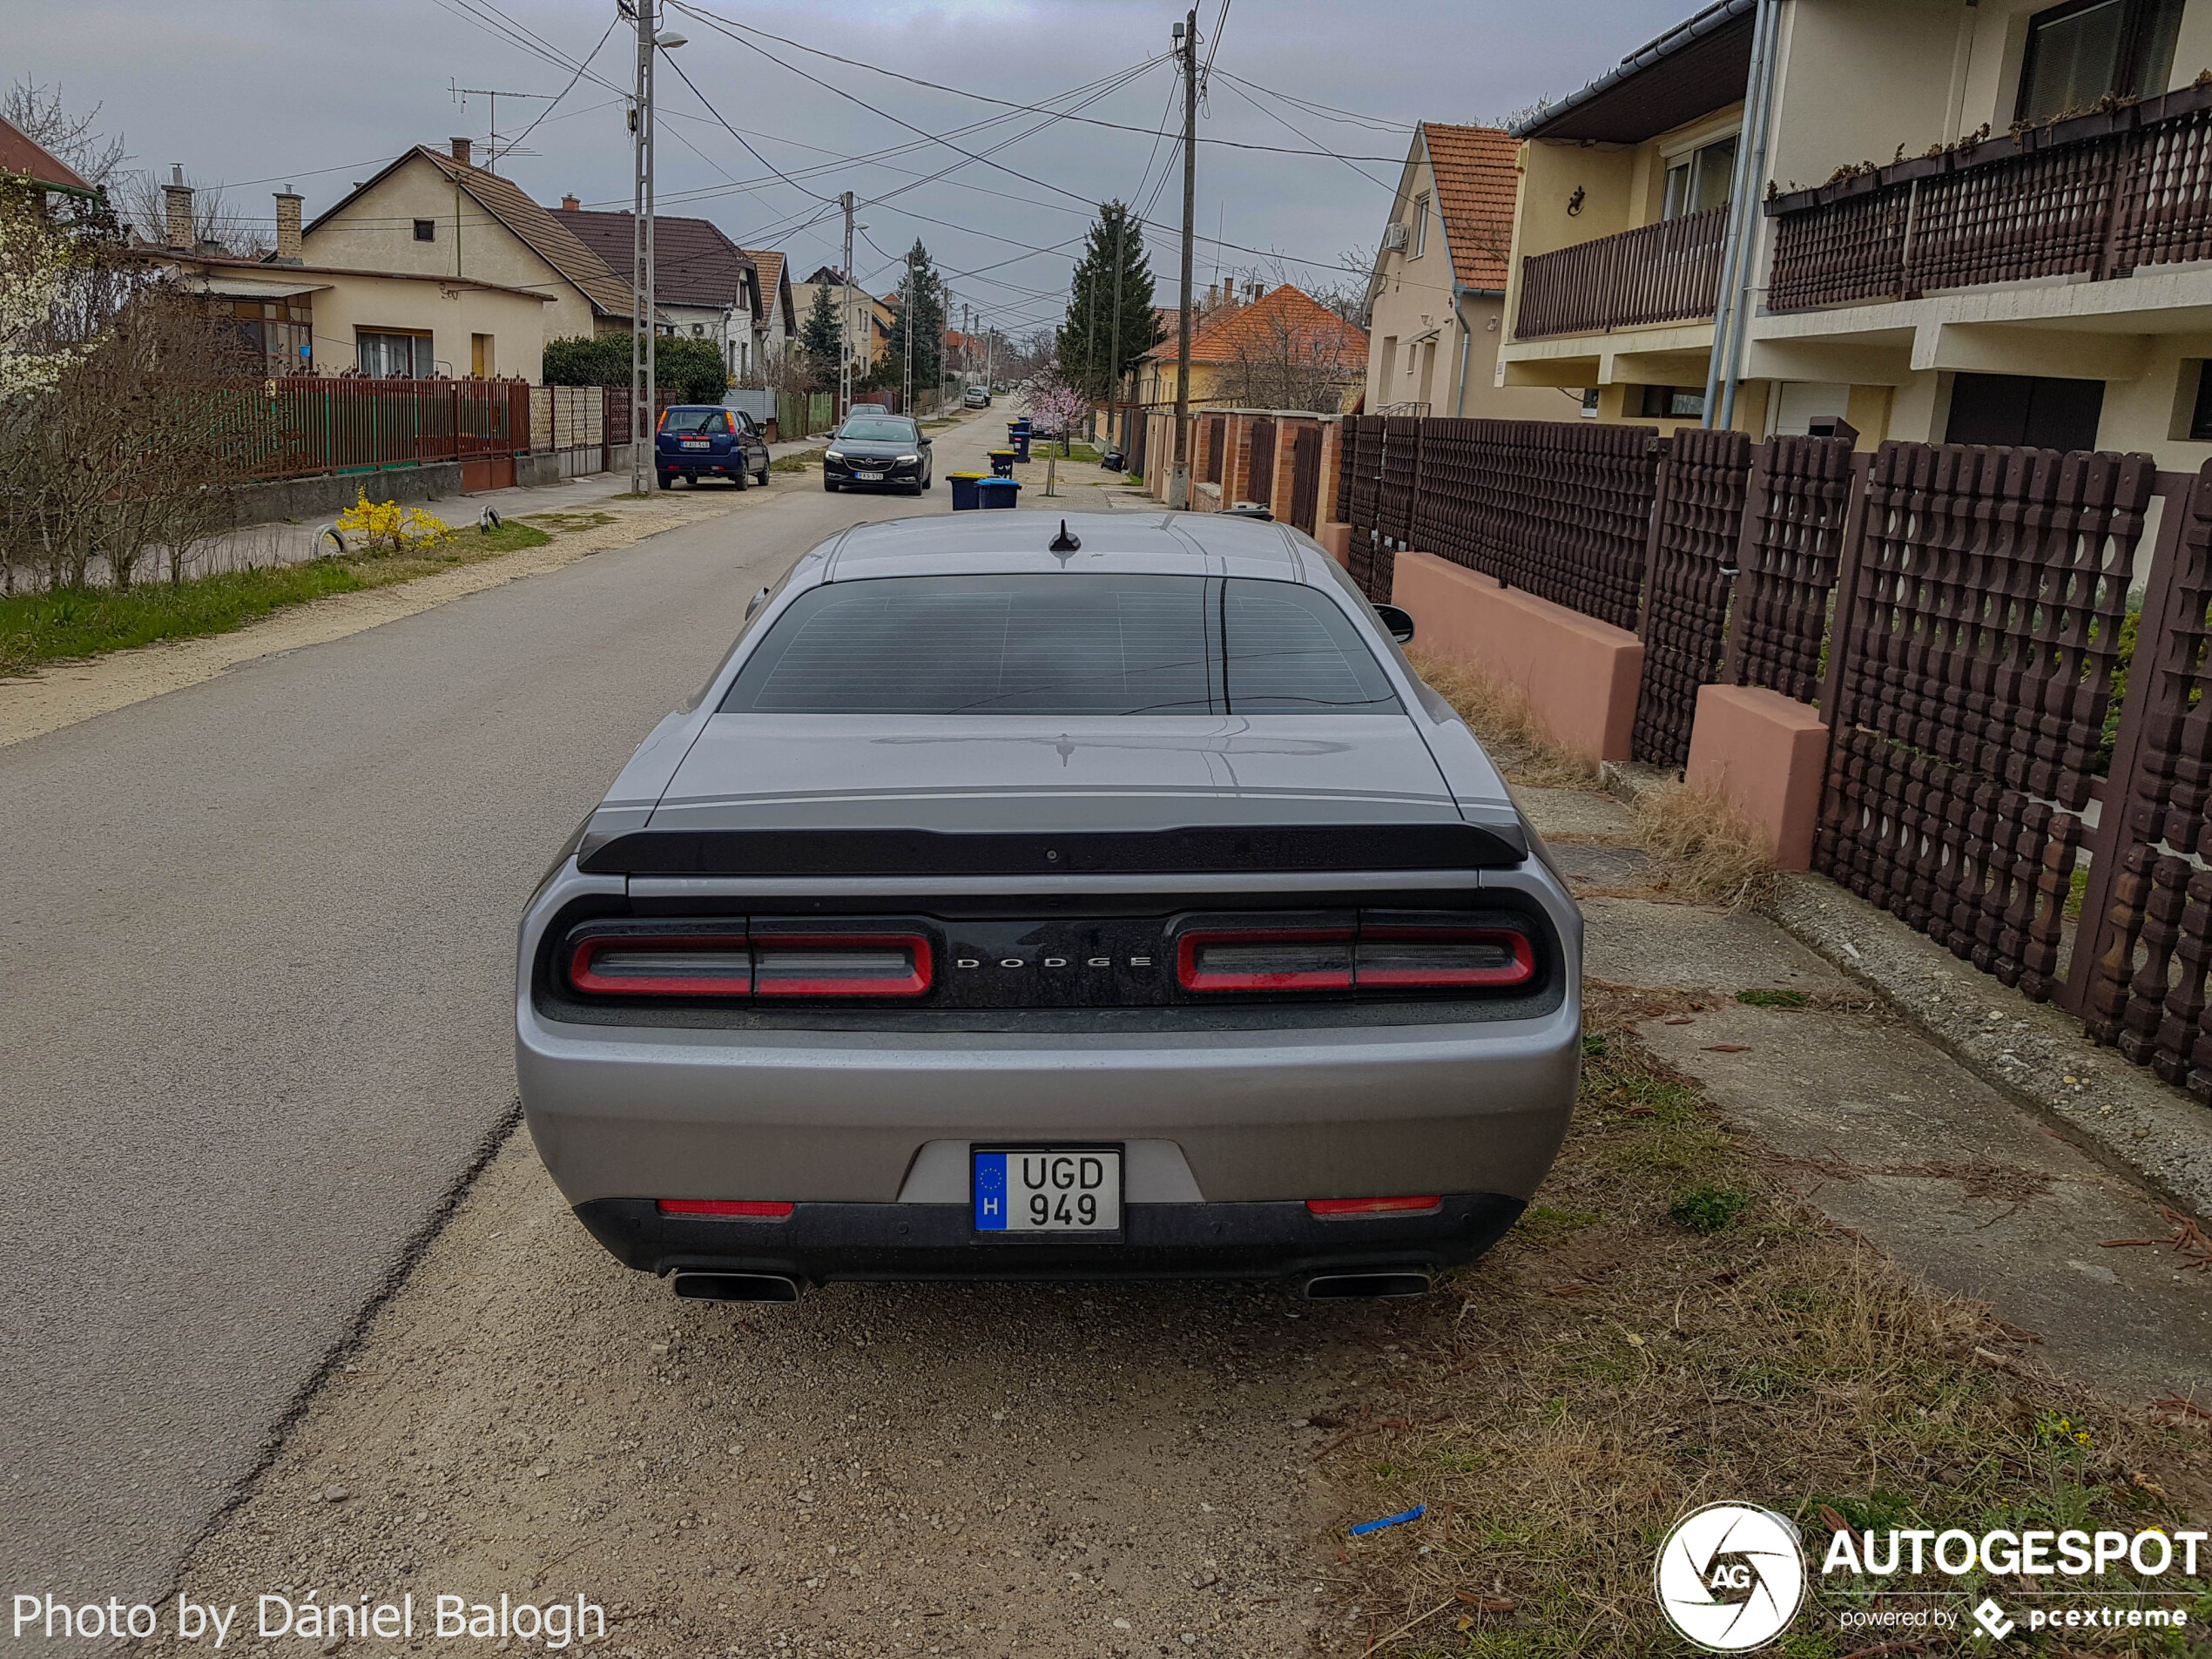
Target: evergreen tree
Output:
{"points": [[922, 304], [1086, 341], [822, 335]]}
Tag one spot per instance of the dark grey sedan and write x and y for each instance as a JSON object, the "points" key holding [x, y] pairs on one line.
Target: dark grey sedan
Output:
{"points": [[889, 451], [1024, 898]]}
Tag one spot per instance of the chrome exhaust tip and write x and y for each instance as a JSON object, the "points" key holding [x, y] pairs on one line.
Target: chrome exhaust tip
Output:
{"points": [[737, 1287], [1326, 1287]]}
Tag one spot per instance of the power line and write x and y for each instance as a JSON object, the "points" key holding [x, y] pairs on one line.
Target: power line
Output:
{"points": [[1327, 111], [733, 30]]}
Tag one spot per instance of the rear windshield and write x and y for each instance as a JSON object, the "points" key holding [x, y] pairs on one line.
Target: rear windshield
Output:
{"points": [[1063, 644], [695, 421], [880, 430]]}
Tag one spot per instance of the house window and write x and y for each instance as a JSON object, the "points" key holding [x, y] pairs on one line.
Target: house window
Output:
{"points": [[1699, 179], [2040, 412], [426, 230], [388, 354], [2079, 53], [1673, 403], [2200, 416], [1420, 226]]}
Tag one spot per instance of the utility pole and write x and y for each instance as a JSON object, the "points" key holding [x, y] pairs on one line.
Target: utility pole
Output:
{"points": [[1114, 367], [641, 255], [844, 322], [907, 391], [1186, 36]]}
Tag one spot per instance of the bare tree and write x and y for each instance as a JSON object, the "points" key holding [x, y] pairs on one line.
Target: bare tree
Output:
{"points": [[131, 414], [1289, 364], [36, 112], [140, 204]]}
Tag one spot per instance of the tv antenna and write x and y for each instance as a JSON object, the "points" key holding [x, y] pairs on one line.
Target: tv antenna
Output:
{"points": [[460, 95]]}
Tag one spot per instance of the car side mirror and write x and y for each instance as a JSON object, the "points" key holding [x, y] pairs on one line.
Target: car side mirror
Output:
{"points": [[754, 604], [1399, 620]]}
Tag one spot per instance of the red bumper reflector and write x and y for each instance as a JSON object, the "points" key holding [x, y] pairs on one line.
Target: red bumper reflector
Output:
{"points": [[742, 1208], [1371, 1206]]}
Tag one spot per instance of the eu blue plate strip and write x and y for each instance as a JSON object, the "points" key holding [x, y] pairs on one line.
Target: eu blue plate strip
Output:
{"points": [[990, 1192]]}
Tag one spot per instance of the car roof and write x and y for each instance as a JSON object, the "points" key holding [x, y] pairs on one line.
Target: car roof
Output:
{"points": [[1126, 543]]}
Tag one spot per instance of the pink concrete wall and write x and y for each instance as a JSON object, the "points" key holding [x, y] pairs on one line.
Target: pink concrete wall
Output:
{"points": [[1763, 753], [1580, 675], [1336, 542]]}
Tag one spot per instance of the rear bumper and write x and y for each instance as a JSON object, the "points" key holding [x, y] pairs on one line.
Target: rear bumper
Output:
{"points": [[821, 1241]]}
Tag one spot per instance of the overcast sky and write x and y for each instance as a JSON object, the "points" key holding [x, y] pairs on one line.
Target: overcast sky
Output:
{"points": [[255, 94]]}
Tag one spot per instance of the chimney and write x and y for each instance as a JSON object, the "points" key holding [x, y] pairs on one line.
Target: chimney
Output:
{"points": [[288, 211], [461, 148], [176, 197], [570, 203]]}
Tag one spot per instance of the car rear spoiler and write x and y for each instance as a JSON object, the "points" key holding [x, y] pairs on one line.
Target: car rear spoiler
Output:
{"points": [[1202, 849]]}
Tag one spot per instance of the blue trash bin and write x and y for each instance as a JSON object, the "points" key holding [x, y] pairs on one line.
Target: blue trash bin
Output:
{"points": [[1021, 447], [964, 497], [1002, 463], [999, 492]]}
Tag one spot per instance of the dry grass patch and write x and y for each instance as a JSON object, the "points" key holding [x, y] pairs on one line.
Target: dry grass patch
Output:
{"points": [[1500, 714], [1668, 1327], [1709, 850]]}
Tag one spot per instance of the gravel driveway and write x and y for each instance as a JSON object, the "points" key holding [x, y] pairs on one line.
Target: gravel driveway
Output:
{"points": [[985, 1470]]}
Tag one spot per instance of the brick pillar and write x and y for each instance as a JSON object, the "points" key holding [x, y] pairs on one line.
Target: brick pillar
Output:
{"points": [[1331, 459], [1279, 486]]}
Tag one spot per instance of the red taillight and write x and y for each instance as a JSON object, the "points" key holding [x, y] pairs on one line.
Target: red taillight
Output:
{"points": [[1314, 959], [663, 965], [737, 1208], [1371, 1206], [1388, 956], [840, 965], [1488, 957]]}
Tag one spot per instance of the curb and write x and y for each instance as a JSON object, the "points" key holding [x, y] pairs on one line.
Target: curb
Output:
{"points": [[2122, 1115]]}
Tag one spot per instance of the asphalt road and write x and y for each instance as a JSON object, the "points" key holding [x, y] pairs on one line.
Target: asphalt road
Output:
{"points": [[254, 1024]]}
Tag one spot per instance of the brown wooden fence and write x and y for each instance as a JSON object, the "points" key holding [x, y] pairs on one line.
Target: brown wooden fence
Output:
{"points": [[2096, 195], [1696, 525], [1661, 273], [2018, 768]]}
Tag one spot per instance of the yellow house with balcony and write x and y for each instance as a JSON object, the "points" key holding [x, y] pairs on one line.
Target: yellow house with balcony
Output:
{"points": [[1967, 222]]}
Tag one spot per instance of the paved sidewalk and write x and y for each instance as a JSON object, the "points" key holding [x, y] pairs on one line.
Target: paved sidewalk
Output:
{"points": [[1883, 1130]]}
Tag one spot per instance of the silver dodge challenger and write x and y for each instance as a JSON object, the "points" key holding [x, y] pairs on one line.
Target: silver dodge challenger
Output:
{"points": [[1027, 898]]}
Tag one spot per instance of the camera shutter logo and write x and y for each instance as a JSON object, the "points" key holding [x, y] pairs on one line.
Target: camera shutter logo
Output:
{"points": [[1730, 1576]]}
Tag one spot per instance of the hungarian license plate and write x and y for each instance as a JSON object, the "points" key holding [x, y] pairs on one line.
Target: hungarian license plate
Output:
{"points": [[868, 477], [1049, 1189], [697, 444]]}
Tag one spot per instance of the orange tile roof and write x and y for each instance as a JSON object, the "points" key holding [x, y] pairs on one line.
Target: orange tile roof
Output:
{"points": [[1476, 186], [1246, 325]]}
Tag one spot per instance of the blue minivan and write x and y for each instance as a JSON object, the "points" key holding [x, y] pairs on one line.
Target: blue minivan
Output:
{"points": [[707, 440]]}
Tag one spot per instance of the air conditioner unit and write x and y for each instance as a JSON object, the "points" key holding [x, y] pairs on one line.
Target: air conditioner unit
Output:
{"points": [[1395, 237]]}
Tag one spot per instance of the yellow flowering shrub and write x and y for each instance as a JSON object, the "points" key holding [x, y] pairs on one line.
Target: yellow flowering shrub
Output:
{"points": [[386, 527]]}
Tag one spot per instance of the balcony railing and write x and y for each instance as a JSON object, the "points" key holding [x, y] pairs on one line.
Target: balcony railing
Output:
{"points": [[1670, 272], [2095, 195]]}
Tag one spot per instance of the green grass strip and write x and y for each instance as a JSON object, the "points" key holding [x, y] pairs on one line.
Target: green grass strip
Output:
{"points": [[37, 628]]}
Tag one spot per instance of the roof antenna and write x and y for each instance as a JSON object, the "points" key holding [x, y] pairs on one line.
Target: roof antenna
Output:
{"points": [[1064, 542]]}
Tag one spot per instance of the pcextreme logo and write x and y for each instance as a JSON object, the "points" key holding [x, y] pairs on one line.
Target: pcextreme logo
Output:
{"points": [[1730, 1576]]}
